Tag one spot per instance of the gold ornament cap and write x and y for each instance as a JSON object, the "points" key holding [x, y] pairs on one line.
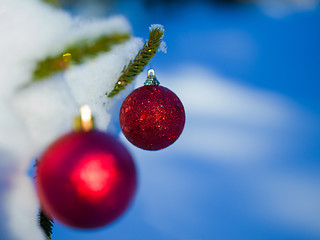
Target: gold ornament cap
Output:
{"points": [[85, 121]]}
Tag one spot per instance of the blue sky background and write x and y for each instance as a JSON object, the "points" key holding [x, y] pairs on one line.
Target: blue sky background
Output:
{"points": [[214, 182]]}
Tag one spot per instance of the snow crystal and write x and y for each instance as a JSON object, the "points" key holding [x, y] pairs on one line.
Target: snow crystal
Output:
{"points": [[154, 26], [163, 47]]}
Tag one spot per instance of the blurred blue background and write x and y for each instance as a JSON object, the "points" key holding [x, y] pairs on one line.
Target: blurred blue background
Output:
{"points": [[247, 164]]}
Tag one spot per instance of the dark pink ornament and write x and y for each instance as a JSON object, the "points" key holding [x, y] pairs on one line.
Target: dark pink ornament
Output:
{"points": [[152, 117]]}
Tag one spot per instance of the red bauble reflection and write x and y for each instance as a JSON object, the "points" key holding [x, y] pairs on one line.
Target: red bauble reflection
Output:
{"points": [[86, 179], [152, 117]]}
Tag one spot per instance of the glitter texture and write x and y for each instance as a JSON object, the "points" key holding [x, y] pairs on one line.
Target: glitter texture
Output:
{"points": [[152, 117], [86, 179]]}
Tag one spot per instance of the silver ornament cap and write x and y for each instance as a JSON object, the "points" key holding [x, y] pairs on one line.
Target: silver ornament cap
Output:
{"points": [[151, 79]]}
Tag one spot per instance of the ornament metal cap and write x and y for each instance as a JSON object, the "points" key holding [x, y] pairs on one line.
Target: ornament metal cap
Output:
{"points": [[151, 79], [84, 122]]}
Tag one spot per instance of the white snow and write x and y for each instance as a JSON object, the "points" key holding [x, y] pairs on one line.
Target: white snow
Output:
{"points": [[154, 26], [32, 117], [163, 47]]}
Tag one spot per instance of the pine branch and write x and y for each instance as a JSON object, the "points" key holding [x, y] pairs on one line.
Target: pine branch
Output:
{"points": [[46, 223], [54, 3], [79, 52], [136, 66]]}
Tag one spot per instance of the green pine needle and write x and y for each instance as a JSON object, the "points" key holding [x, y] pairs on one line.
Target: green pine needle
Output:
{"points": [[80, 52], [54, 3], [46, 223], [136, 66]]}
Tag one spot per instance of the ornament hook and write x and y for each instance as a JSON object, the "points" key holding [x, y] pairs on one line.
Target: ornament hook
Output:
{"points": [[151, 72]]}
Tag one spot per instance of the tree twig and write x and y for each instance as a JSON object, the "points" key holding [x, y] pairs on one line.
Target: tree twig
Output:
{"points": [[46, 223], [136, 66]]}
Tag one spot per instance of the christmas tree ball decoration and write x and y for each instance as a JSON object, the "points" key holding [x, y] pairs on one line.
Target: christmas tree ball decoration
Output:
{"points": [[152, 117], [86, 178]]}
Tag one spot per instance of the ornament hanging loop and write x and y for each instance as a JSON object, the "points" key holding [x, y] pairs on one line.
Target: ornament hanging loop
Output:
{"points": [[84, 122], [151, 79]]}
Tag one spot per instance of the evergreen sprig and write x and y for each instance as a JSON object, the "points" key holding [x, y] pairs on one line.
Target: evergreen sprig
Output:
{"points": [[80, 52], [137, 65], [54, 3], [46, 223]]}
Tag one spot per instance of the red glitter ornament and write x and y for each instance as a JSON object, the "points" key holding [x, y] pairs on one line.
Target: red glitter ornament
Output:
{"points": [[152, 117], [86, 179]]}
